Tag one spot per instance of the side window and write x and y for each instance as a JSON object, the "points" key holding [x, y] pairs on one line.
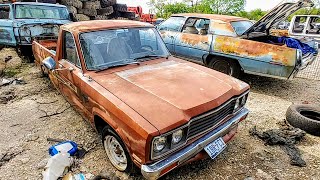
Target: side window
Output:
{"points": [[196, 26], [172, 24], [314, 26], [299, 24], [4, 11], [70, 52]]}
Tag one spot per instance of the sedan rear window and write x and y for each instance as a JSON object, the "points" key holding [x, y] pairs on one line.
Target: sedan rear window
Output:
{"points": [[241, 26]]}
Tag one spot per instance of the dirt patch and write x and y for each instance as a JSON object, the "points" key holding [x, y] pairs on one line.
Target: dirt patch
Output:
{"points": [[39, 112]]}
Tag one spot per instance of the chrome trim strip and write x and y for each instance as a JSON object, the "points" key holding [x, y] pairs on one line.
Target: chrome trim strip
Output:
{"points": [[188, 125], [153, 171]]}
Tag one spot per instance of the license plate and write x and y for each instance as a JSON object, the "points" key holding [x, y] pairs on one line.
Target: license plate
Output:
{"points": [[215, 148]]}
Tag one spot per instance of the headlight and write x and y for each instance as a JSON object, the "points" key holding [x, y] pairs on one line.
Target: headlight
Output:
{"points": [[159, 144], [237, 105], [177, 136], [240, 102], [168, 142]]}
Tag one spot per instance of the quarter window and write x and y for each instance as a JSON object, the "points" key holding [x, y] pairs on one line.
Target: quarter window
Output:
{"points": [[172, 24]]}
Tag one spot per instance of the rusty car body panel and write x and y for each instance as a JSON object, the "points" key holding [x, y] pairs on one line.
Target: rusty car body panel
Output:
{"points": [[143, 101], [222, 38], [21, 26]]}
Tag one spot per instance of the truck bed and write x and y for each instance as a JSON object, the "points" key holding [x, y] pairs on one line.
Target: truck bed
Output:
{"points": [[43, 49]]}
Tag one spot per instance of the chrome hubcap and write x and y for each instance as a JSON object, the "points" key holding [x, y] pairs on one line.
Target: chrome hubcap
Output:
{"points": [[115, 153]]}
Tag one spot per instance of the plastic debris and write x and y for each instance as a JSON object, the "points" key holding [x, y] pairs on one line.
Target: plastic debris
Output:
{"points": [[66, 146], [57, 166]]}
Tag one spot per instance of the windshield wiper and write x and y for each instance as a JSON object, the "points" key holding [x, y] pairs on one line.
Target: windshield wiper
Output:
{"points": [[116, 65], [149, 56]]}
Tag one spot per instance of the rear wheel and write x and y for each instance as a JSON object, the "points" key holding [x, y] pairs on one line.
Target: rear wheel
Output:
{"points": [[226, 66], [117, 151]]}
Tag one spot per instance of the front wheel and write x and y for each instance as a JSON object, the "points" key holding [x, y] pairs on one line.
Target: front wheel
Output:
{"points": [[226, 66], [116, 151]]}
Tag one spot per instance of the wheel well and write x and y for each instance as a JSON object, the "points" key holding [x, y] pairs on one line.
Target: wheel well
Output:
{"points": [[99, 123], [211, 57]]}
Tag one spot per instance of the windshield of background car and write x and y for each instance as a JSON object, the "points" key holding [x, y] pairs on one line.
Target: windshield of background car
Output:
{"points": [[41, 12], [107, 48], [241, 26]]}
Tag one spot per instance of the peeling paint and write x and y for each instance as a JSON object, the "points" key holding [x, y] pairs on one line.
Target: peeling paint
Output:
{"points": [[256, 50]]}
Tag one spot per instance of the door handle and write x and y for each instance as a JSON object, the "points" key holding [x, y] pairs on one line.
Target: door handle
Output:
{"points": [[171, 37], [204, 42]]}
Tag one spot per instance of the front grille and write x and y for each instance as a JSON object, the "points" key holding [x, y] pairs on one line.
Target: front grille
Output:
{"points": [[207, 120]]}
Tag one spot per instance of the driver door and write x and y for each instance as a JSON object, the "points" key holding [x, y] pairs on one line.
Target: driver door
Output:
{"points": [[70, 73], [6, 26]]}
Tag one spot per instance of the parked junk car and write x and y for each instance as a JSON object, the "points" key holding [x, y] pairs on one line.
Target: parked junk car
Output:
{"points": [[154, 111], [305, 27], [22, 22], [233, 45]]}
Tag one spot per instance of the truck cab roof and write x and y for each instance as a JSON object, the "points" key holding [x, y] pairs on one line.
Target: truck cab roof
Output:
{"points": [[96, 25], [38, 4]]}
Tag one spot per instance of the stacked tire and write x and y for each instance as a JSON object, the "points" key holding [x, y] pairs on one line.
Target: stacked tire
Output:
{"points": [[84, 10]]}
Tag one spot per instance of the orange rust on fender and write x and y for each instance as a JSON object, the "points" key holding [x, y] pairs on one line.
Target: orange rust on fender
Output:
{"points": [[253, 49]]}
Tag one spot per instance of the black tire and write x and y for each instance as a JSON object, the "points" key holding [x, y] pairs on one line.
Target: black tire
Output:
{"points": [[92, 5], [105, 3], [72, 9], [226, 66], [305, 117], [105, 11], [129, 15], [90, 12], [131, 167], [120, 7]]}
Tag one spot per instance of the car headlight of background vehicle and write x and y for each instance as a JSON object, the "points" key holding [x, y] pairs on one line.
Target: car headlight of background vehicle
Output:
{"points": [[168, 142]]}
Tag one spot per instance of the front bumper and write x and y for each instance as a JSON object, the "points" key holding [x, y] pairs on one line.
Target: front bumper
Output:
{"points": [[157, 169]]}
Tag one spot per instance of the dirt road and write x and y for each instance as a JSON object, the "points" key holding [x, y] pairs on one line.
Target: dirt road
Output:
{"points": [[37, 111]]}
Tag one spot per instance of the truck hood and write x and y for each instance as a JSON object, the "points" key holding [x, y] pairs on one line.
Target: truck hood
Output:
{"points": [[22, 22], [169, 93], [278, 14]]}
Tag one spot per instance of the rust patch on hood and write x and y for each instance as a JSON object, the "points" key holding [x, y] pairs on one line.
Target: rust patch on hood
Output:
{"points": [[258, 50]]}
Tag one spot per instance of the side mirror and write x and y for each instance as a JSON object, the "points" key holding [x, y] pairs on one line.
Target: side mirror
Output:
{"points": [[49, 63]]}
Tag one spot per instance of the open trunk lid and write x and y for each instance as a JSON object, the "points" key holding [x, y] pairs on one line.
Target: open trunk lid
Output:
{"points": [[278, 14]]}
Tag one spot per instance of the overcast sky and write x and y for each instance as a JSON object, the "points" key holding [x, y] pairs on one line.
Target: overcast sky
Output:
{"points": [[251, 4]]}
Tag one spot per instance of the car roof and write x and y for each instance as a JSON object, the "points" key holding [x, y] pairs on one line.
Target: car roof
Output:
{"points": [[212, 16], [39, 4], [96, 25]]}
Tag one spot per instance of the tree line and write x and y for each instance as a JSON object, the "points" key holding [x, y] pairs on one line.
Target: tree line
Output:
{"points": [[165, 8]]}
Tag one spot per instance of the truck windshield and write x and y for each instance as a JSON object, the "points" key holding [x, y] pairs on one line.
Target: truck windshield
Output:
{"points": [[41, 12], [241, 26], [109, 48]]}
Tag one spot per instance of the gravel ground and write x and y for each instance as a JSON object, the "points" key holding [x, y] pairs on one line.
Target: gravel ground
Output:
{"points": [[24, 129]]}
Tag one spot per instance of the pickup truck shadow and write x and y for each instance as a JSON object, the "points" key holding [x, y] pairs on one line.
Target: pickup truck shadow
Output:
{"points": [[294, 90]]}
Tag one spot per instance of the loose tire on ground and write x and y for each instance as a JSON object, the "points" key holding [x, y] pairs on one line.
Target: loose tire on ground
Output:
{"points": [[106, 133], [305, 117], [226, 66]]}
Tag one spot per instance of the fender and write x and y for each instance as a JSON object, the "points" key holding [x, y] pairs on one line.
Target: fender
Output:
{"points": [[105, 115]]}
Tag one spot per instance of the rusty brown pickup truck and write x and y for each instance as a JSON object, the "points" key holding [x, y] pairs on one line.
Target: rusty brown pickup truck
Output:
{"points": [[154, 111]]}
